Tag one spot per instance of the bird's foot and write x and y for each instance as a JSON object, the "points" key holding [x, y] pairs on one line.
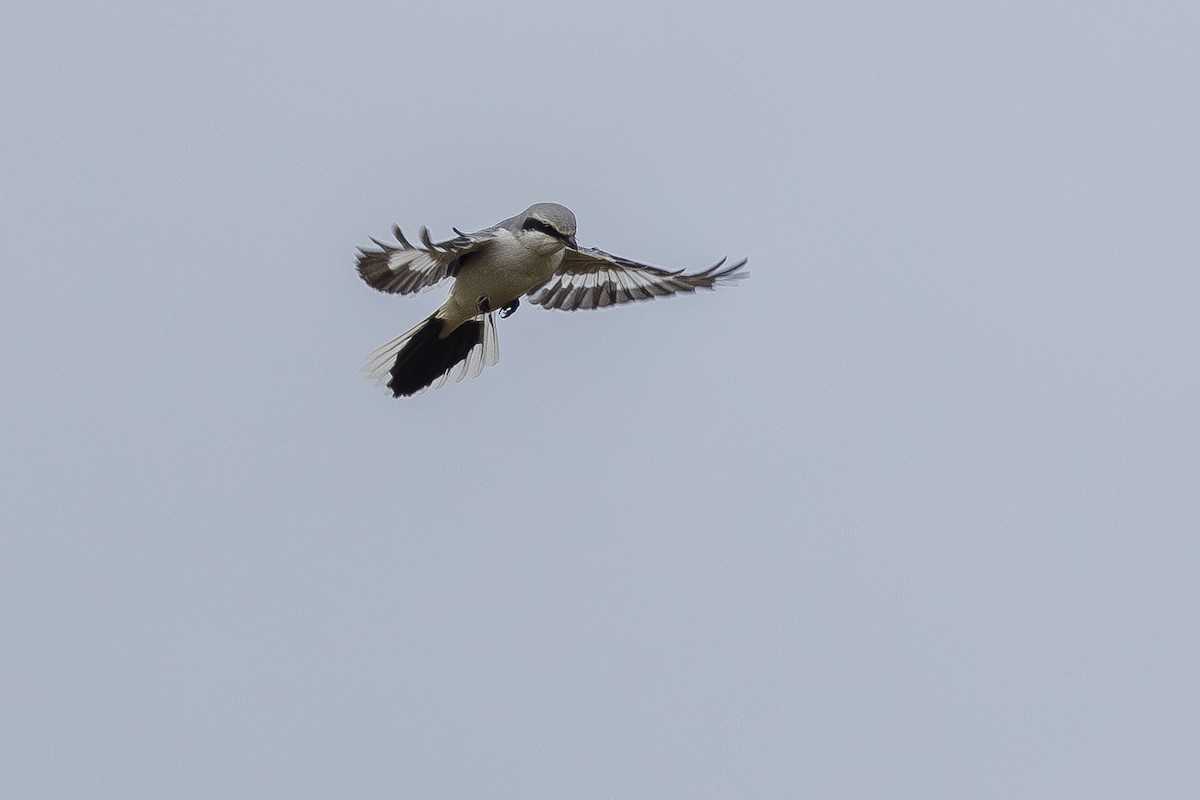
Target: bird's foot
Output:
{"points": [[509, 309], [484, 304]]}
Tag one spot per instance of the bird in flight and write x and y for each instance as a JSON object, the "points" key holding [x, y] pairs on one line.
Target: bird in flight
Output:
{"points": [[534, 255]]}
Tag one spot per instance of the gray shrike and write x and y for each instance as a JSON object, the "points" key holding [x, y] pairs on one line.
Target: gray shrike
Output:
{"points": [[534, 254]]}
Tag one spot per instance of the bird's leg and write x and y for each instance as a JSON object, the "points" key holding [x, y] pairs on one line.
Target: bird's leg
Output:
{"points": [[509, 309], [484, 304]]}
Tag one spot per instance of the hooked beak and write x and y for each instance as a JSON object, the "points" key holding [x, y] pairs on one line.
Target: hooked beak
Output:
{"points": [[572, 243]]}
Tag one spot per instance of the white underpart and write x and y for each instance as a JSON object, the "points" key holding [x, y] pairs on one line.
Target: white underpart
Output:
{"points": [[513, 265]]}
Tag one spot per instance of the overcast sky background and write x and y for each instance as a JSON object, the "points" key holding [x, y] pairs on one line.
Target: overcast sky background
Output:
{"points": [[912, 512]]}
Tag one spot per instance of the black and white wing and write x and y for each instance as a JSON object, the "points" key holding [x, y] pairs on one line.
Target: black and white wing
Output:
{"points": [[591, 278], [409, 268]]}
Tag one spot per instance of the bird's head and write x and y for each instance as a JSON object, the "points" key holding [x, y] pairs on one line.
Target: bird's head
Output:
{"points": [[551, 219]]}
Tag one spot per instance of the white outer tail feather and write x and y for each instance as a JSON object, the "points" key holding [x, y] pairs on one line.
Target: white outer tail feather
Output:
{"points": [[485, 354]]}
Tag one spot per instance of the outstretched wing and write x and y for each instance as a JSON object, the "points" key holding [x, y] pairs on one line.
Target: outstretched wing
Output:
{"points": [[409, 268], [591, 278]]}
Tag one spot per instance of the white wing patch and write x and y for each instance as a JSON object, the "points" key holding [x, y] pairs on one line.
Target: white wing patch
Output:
{"points": [[591, 278], [410, 268]]}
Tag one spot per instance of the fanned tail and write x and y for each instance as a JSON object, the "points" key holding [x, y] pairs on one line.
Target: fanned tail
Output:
{"points": [[424, 358]]}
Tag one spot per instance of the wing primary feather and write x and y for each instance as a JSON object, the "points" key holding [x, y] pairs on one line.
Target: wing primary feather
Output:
{"points": [[639, 283], [559, 296], [622, 280], [425, 240]]}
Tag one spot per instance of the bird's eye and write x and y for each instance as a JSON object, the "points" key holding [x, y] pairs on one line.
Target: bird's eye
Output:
{"points": [[532, 224]]}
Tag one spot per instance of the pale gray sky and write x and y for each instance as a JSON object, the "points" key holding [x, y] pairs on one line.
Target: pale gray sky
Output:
{"points": [[913, 512]]}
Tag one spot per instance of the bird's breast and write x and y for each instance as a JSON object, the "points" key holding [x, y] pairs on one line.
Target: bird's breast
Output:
{"points": [[507, 269]]}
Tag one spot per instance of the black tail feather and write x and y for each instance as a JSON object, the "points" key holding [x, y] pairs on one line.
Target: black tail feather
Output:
{"points": [[427, 357]]}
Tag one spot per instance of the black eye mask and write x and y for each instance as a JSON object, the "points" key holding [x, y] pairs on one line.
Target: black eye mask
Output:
{"points": [[532, 224]]}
